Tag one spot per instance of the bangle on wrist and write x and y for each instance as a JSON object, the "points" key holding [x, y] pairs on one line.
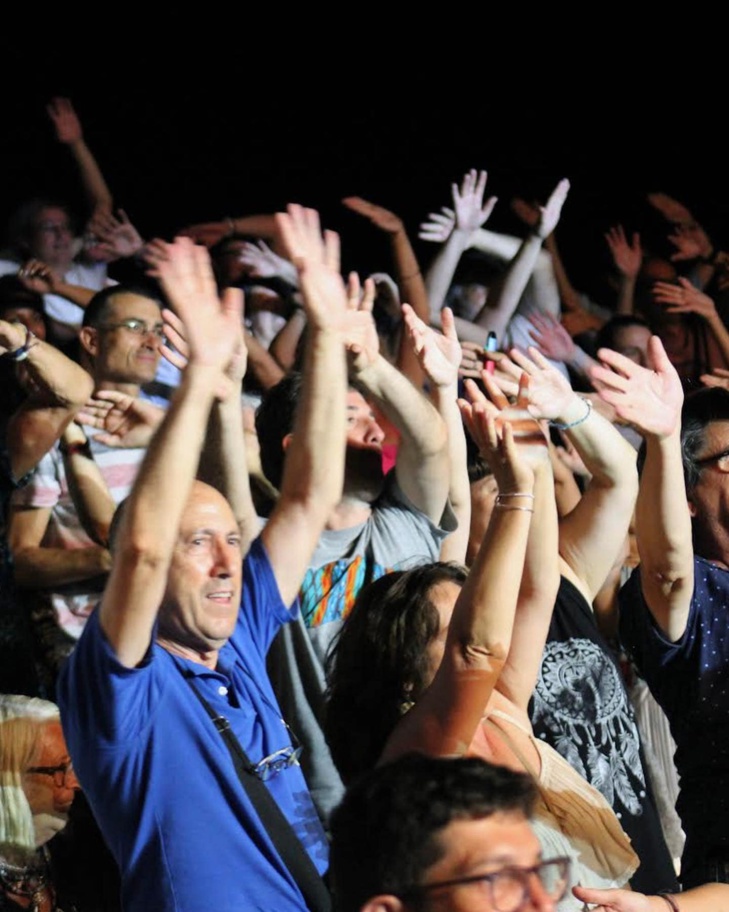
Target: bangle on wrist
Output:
{"points": [[500, 497], [21, 353], [670, 901], [572, 424], [500, 506]]}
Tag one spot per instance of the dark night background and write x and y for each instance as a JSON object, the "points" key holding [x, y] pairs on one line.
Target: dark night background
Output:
{"points": [[189, 136]]}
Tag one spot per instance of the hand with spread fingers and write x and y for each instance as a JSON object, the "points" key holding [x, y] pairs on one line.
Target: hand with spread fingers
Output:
{"points": [[124, 420], [648, 398], [684, 298], [551, 338], [550, 395], [439, 354], [438, 227], [627, 257]]}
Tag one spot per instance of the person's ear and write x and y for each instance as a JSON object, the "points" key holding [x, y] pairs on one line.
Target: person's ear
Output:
{"points": [[88, 336], [286, 442], [691, 508], [385, 902]]}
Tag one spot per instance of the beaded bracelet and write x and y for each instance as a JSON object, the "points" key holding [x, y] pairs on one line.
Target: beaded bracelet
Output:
{"points": [[572, 424], [20, 354]]}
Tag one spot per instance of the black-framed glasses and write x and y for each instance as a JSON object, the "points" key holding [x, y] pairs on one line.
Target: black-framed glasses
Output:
{"points": [[279, 760], [60, 773], [510, 887], [720, 460], [138, 327]]}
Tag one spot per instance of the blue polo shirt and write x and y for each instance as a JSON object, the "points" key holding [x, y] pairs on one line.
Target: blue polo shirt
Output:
{"points": [[160, 779]]}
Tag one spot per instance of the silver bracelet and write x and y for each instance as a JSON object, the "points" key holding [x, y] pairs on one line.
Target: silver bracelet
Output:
{"points": [[572, 424], [20, 354]]}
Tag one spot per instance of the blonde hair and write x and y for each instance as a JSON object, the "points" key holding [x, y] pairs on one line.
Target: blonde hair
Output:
{"points": [[21, 724]]}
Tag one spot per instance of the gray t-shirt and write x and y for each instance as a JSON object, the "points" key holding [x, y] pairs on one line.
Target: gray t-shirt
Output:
{"points": [[396, 536]]}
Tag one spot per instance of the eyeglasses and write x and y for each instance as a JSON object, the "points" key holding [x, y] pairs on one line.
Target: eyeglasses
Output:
{"points": [[721, 460], [60, 773], [138, 327], [279, 760], [509, 888]]}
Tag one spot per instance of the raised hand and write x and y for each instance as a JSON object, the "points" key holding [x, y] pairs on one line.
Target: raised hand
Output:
{"points": [[550, 212], [212, 323], [691, 242], [439, 227], [360, 332], [684, 298], [648, 398], [262, 263], [317, 259], [439, 354], [125, 420], [117, 237], [549, 395], [526, 433], [614, 900], [551, 338], [37, 276], [379, 216], [470, 210], [627, 257], [65, 120], [671, 209]]}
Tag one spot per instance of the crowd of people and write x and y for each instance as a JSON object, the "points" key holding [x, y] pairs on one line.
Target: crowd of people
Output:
{"points": [[391, 592]]}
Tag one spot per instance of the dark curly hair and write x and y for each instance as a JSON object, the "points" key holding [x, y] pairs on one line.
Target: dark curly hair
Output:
{"points": [[379, 661]]}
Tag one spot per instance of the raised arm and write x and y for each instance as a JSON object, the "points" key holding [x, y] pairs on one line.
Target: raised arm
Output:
{"points": [[686, 298], [497, 312], [314, 469], [440, 356], [57, 388], [592, 534], [422, 458], [69, 132], [445, 717], [627, 258], [150, 525], [469, 213], [650, 399]]}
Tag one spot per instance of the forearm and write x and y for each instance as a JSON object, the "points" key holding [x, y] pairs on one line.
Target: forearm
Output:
{"points": [[500, 307], [284, 347], [263, 226], [409, 277], [459, 489], [75, 293], [91, 498], [568, 295], [49, 568], [662, 519], [95, 187], [626, 296], [57, 380], [224, 463], [607, 455], [440, 274], [503, 246], [263, 365], [422, 462]]}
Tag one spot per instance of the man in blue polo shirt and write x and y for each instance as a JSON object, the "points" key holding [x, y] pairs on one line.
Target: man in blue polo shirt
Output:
{"points": [[183, 612]]}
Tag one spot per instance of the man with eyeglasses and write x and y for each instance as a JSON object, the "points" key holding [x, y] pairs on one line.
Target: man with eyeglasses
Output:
{"points": [[673, 610], [436, 834], [59, 524], [185, 622]]}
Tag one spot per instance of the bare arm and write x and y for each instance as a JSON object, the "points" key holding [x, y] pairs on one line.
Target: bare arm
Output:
{"points": [[422, 458], [314, 469], [686, 298], [710, 897], [592, 534], [149, 528], [69, 132], [440, 357], [40, 567], [58, 389], [651, 401], [444, 719]]}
